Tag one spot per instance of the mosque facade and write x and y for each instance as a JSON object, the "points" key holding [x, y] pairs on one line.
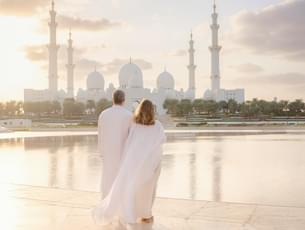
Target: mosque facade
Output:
{"points": [[130, 78]]}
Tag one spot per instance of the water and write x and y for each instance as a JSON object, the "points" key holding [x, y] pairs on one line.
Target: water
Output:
{"points": [[262, 169]]}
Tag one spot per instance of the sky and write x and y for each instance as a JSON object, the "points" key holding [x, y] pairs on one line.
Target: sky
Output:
{"points": [[263, 48]]}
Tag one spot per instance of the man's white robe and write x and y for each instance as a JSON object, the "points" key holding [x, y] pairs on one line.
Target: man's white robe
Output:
{"points": [[133, 191], [113, 128]]}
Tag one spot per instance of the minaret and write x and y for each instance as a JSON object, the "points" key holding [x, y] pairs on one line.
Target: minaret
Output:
{"points": [[53, 49], [215, 49], [191, 67], [70, 68]]}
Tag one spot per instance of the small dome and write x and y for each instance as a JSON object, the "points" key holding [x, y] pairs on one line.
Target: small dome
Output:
{"points": [[131, 76], [165, 81], [208, 95], [190, 94], [95, 81]]}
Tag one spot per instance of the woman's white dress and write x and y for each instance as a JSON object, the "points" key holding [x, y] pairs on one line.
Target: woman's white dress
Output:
{"points": [[132, 194]]}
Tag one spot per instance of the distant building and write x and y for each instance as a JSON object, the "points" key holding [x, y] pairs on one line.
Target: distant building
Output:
{"points": [[131, 82], [3, 130], [16, 123], [130, 78], [216, 92]]}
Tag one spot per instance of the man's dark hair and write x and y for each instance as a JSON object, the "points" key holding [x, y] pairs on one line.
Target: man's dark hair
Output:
{"points": [[118, 97]]}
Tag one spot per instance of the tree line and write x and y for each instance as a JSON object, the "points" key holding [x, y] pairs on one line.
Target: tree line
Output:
{"points": [[250, 109], [69, 108]]}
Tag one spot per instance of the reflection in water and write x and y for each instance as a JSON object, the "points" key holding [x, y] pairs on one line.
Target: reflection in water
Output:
{"points": [[70, 175], [13, 142], [219, 168], [216, 164], [53, 169], [62, 151], [193, 175]]}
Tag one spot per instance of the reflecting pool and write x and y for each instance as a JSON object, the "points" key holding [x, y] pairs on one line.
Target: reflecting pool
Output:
{"points": [[264, 169]]}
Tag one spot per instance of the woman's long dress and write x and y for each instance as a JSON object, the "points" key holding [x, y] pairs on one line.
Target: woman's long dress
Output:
{"points": [[132, 194]]}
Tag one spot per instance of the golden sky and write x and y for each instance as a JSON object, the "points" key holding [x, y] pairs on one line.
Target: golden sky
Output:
{"points": [[263, 43]]}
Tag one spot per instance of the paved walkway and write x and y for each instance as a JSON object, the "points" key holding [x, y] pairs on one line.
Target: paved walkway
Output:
{"points": [[38, 208]]}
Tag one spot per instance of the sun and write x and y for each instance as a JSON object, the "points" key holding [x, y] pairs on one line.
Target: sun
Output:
{"points": [[16, 69]]}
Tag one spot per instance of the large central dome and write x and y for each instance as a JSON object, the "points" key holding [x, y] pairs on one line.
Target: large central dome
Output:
{"points": [[131, 76]]}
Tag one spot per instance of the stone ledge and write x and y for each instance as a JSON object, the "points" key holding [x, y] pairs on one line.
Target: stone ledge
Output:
{"points": [[29, 208]]}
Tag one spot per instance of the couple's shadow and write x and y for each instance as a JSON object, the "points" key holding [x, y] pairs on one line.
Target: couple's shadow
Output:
{"points": [[154, 226]]}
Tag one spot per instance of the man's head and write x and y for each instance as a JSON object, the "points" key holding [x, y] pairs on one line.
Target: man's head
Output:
{"points": [[118, 97]]}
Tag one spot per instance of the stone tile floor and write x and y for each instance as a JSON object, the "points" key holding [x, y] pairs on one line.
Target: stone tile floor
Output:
{"points": [[38, 208]]}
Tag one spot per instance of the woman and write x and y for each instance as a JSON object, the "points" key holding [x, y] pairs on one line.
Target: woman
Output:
{"points": [[132, 194]]}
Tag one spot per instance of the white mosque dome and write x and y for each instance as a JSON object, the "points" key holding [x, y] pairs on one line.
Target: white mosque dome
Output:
{"points": [[190, 94], [95, 80], [136, 81], [131, 76], [208, 94], [165, 81]]}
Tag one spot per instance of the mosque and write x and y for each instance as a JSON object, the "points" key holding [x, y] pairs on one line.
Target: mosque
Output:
{"points": [[130, 78]]}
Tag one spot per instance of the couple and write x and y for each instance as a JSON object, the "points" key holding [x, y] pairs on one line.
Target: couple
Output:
{"points": [[131, 146]]}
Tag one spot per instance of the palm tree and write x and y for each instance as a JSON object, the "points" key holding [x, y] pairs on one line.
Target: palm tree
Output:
{"points": [[198, 105], [68, 107], [13, 108], [245, 109], [56, 107], [171, 106], [90, 106], [283, 107], [102, 105], [210, 107], [186, 106], [2, 109], [296, 107], [223, 106], [232, 106], [79, 108]]}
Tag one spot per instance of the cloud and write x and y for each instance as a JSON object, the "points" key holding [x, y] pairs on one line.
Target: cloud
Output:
{"points": [[115, 4], [290, 85], [77, 23], [115, 65], [39, 53], [86, 64], [178, 53], [36, 52], [285, 79], [288, 79], [248, 68], [21, 7], [275, 30]]}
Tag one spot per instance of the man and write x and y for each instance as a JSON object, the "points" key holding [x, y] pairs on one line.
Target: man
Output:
{"points": [[113, 128]]}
